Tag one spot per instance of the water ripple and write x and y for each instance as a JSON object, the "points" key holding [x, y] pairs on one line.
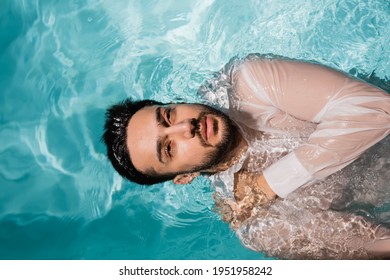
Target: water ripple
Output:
{"points": [[64, 63]]}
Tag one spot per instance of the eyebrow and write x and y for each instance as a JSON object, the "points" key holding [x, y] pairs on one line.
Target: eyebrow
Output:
{"points": [[158, 115], [159, 120]]}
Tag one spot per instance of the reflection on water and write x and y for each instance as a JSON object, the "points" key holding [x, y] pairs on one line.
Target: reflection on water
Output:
{"points": [[64, 62]]}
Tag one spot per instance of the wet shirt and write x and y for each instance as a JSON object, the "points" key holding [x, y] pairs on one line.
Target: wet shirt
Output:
{"points": [[282, 96], [303, 122]]}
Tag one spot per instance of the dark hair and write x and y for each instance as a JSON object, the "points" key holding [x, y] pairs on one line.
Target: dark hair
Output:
{"points": [[115, 135]]}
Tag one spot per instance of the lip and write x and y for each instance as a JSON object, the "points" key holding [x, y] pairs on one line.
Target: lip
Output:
{"points": [[204, 129]]}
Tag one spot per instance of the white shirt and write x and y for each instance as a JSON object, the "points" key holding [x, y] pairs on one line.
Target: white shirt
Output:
{"points": [[351, 115], [304, 122]]}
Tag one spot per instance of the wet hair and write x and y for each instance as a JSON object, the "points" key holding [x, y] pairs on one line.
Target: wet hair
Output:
{"points": [[115, 135]]}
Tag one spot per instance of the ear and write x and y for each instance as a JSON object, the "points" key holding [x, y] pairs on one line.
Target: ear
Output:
{"points": [[187, 178]]}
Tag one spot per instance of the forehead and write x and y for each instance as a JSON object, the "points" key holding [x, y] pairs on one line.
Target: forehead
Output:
{"points": [[141, 137]]}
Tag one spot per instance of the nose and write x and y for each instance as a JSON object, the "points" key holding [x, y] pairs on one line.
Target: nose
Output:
{"points": [[184, 128]]}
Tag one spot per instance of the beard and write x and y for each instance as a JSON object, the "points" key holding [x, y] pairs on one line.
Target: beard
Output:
{"points": [[229, 139]]}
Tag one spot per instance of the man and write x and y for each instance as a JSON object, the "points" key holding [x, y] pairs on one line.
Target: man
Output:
{"points": [[149, 142], [287, 124]]}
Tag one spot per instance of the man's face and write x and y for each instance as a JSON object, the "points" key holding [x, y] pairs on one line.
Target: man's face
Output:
{"points": [[177, 138]]}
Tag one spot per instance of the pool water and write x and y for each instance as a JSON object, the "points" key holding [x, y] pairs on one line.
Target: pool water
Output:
{"points": [[63, 62]]}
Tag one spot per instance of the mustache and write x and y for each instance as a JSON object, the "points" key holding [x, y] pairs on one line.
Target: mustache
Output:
{"points": [[196, 124]]}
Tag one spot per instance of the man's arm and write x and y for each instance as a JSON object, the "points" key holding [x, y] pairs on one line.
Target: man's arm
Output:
{"points": [[351, 115]]}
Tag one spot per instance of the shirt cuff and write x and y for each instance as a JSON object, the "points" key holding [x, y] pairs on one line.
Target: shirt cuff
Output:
{"points": [[286, 175]]}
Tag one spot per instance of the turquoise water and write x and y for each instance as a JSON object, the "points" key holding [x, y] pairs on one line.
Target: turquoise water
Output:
{"points": [[63, 62]]}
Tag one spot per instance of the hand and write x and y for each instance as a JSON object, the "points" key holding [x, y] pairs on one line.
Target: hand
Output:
{"points": [[262, 185], [252, 186], [249, 194]]}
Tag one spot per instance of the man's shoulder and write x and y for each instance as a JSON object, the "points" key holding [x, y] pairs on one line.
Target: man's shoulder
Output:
{"points": [[216, 89]]}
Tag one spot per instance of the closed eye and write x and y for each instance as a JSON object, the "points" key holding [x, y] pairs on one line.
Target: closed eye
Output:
{"points": [[161, 117], [168, 115], [168, 150]]}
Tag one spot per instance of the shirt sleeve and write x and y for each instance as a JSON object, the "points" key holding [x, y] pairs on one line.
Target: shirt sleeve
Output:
{"points": [[351, 115]]}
